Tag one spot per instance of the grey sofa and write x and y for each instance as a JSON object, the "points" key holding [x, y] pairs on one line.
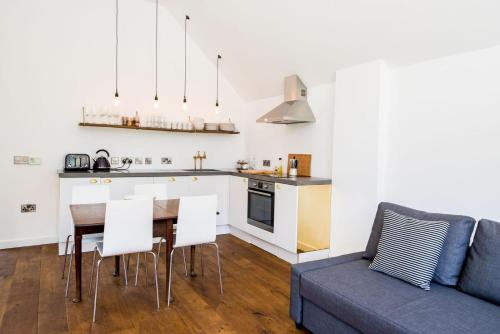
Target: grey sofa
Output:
{"points": [[341, 295]]}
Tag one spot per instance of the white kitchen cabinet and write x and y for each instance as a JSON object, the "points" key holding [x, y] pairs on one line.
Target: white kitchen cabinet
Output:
{"points": [[198, 186], [65, 192], [121, 186], [213, 185], [238, 202], [177, 186], [285, 216]]}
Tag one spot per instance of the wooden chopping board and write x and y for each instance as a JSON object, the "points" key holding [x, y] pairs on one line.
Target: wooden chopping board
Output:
{"points": [[304, 164], [256, 171]]}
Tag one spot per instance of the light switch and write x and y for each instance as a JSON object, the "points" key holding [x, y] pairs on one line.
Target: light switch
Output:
{"points": [[35, 161]]}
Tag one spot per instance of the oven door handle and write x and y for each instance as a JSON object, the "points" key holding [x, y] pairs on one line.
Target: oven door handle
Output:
{"points": [[259, 193]]}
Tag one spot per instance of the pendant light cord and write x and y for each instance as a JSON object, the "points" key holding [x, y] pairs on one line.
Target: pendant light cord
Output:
{"points": [[185, 55], [217, 97], [156, 55], [116, 50]]}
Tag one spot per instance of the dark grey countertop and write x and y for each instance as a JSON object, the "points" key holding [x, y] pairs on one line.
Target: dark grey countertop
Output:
{"points": [[295, 181]]}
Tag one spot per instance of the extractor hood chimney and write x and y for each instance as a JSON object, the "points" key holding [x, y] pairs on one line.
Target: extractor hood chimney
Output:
{"points": [[295, 109]]}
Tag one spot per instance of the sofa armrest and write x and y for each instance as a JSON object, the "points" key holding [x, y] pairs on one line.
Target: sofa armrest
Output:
{"points": [[300, 268]]}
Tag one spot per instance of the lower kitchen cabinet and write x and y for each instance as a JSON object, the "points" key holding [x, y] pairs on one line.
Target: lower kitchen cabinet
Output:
{"points": [[238, 202], [179, 186], [285, 216]]}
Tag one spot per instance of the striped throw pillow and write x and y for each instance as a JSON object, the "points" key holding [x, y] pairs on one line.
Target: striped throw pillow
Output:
{"points": [[409, 248]]}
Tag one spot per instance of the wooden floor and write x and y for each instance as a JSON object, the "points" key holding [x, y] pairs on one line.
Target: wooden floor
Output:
{"points": [[255, 300]]}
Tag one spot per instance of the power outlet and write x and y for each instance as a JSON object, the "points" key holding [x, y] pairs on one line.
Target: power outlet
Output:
{"points": [[115, 160], [21, 160], [266, 163], [138, 160], [127, 160], [148, 161], [166, 161], [28, 208]]}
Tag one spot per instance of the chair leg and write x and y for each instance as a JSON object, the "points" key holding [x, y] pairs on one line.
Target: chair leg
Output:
{"points": [[156, 281], [218, 265], [185, 265], [159, 249], [69, 270], [92, 272], [137, 267], [65, 255], [170, 276], [96, 288], [125, 270]]}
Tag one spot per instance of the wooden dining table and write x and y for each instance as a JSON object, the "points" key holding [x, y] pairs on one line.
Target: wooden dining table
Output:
{"points": [[89, 219]]}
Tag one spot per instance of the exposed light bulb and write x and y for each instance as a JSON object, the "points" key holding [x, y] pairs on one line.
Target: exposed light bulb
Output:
{"points": [[184, 104], [217, 109], [116, 100], [156, 103]]}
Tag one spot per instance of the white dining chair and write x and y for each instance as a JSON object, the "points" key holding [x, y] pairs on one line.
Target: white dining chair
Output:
{"points": [[196, 225], [85, 194], [158, 191], [128, 229]]}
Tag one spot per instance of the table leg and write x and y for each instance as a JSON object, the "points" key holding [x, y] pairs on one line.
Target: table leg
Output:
{"points": [[78, 268], [168, 249], [193, 256], [117, 266]]}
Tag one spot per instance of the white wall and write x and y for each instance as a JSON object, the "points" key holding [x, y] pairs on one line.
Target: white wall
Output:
{"points": [[272, 141], [443, 135], [59, 55], [359, 109], [424, 136]]}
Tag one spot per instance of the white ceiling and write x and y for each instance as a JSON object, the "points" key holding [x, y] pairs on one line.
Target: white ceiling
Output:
{"points": [[262, 41]]}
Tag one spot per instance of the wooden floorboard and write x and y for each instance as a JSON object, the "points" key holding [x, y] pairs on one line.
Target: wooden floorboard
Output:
{"points": [[255, 299]]}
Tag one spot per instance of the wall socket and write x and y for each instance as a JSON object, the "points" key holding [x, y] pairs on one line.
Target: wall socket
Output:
{"points": [[127, 160], [27, 160], [266, 163], [115, 160], [28, 208], [166, 161], [148, 161], [21, 160], [138, 160]]}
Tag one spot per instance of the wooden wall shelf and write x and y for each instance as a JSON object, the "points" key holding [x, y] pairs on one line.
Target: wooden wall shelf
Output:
{"points": [[96, 125]]}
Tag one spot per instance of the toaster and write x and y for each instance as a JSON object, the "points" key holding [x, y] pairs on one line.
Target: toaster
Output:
{"points": [[76, 162]]}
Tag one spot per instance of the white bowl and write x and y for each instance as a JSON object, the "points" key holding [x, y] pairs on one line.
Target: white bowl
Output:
{"points": [[198, 123]]}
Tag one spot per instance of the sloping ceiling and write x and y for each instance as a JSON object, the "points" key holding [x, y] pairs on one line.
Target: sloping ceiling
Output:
{"points": [[261, 41]]}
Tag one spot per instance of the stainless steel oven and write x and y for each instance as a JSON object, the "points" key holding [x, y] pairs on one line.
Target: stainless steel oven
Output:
{"points": [[261, 204]]}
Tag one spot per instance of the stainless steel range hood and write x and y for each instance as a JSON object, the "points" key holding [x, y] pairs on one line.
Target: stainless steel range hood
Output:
{"points": [[295, 109]]}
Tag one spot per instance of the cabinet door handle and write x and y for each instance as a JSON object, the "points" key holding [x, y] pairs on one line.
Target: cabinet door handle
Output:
{"points": [[195, 178], [172, 179], [93, 181], [107, 181]]}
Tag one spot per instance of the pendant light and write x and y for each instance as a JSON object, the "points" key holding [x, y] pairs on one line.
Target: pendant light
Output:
{"points": [[217, 109], [156, 103], [184, 101], [116, 100]]}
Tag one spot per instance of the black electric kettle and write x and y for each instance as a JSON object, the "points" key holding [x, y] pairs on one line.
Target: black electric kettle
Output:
{"points": [[101, 163]]}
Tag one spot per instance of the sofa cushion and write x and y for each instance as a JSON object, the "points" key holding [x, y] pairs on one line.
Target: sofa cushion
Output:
{"points": [[455, 247], [481, 274], [409, 248], [373, 302]]}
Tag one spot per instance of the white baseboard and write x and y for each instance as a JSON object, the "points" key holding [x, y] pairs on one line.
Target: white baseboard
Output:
{"points": [[223, 229], [4, 244]]}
